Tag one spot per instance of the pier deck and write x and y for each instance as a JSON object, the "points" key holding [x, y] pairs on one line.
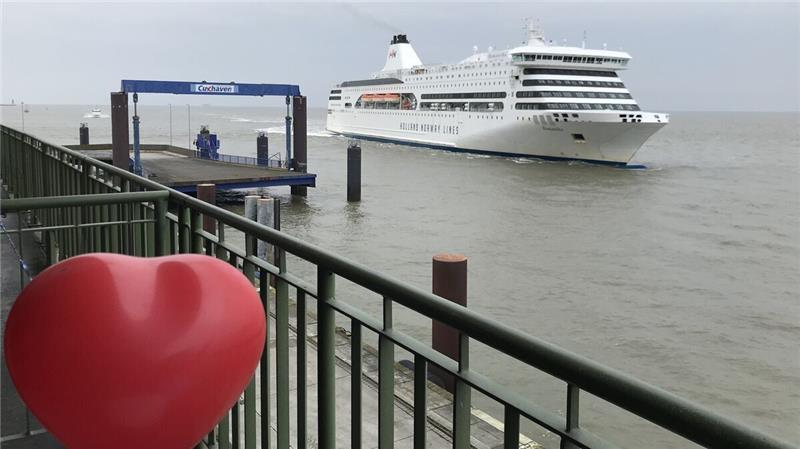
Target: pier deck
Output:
{"points": [[176, 167]]}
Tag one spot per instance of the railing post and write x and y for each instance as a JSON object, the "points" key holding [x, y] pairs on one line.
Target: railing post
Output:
{"points": [[162, 228], [355, 384], [269, 210], [250, 390], [386, 381], [420, 401], [266, 425], [572, 421], [184, 236], [462, 399], [302, 375], [194, 236], [326, 361], [511, 428]]}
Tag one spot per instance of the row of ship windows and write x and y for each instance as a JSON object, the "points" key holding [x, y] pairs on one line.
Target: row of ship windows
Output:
{"points": [[617, 107], [605, 73], [467, 66], [521, 94], [572, 59], [465, 95], [466, 75], [473, 106], [424, 86], [543, 93], [572, 83], [488, 107], [546, 82]]}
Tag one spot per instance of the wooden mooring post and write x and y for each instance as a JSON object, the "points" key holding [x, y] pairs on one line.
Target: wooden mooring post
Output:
{"points": [[449, 282]]}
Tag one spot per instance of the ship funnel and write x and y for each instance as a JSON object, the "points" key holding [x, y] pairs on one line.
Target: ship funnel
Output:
{"points": [[401, 54]]}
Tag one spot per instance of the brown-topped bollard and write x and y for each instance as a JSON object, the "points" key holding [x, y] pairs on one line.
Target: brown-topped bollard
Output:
{"points": [[208, 193], [449, 282]]}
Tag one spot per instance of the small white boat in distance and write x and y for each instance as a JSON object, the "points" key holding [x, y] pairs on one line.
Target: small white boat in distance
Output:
{"points": [[96, 113]]}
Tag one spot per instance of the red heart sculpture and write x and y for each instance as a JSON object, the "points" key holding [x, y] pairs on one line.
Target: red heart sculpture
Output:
{"points": [[117, 352]]}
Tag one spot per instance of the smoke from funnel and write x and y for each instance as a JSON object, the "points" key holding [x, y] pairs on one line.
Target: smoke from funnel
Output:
{"points": [[366, 17]]}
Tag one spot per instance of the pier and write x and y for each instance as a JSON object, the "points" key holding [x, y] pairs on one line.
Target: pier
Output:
{"points": [[182, 169], [304, 394], [177, 168]]}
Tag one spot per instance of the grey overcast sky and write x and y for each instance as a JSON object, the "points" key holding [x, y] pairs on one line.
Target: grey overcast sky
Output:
{"points": [[686, 56]]}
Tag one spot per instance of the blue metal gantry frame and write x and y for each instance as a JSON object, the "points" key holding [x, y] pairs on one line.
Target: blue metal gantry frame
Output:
{"points": [[206, 88]]}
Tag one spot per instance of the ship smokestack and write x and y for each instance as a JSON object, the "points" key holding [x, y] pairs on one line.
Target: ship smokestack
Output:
{"points": [[401, 54]]}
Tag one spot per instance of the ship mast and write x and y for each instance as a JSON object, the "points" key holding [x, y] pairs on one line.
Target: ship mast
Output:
{"points": [[535, 34]]}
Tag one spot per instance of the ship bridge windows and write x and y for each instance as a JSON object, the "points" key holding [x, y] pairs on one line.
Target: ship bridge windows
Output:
{"points": [[336, 91], [537, 71], [569, 94], [579, 83], [569, 58]]}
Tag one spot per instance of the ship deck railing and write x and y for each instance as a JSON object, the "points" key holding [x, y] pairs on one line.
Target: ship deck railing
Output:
{"points": [[80, 205]]}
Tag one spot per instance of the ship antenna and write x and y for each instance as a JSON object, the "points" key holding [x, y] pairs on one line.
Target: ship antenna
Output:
{"points": [[583, 44]]}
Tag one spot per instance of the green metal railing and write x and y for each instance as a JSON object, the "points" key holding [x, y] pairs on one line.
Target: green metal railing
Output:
{"points": [[82, 205]]}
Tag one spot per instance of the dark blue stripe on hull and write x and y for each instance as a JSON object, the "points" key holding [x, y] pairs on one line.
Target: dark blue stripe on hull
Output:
{"points": [[493, 153]]}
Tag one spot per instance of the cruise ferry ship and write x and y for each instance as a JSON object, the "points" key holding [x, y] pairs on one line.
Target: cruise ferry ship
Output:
{"points": [[537, 100]]}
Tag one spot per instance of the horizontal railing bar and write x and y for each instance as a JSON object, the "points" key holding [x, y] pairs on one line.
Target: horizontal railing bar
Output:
{"points": [[94, 199], [19, 436], [669, 411], [503, 395], [79, 226]]}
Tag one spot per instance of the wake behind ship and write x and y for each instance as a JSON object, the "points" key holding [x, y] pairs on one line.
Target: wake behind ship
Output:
{"points": [[539, 100]]}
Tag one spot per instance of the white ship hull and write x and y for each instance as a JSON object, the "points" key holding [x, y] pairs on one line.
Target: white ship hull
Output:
{"points": [[536, 100], [606, 139]]}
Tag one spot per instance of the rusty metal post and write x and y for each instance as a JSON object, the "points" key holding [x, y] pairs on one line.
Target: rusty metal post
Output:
{"points": [[208, 193], [120, 132], [354, 171], [449, 282], [300, 136], [83, 132]]}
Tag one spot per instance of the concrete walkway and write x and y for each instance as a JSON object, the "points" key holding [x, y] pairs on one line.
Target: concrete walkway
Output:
{"points": [[15, 421]]}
